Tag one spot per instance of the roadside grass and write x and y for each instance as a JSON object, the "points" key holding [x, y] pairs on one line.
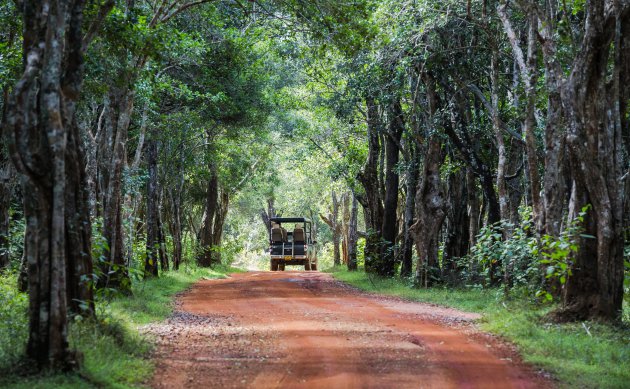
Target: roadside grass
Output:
{"points": [[115, 354], [579, 355]]}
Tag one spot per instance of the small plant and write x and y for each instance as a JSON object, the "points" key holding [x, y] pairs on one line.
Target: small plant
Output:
{"points": [[557, 253]]}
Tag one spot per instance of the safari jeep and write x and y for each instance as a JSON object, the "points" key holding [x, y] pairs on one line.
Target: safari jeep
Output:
{"points": [[294, 246]]}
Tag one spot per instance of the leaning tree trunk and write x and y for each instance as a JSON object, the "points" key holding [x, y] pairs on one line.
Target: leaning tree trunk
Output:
{"points": [[44, 144], [267, 214]]}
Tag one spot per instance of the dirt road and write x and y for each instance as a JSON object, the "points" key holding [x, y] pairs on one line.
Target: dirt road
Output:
{"points": [[305, 330]]}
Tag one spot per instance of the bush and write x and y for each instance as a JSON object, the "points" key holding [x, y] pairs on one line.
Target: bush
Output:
{"points": [[517, 254], [14, 319]]}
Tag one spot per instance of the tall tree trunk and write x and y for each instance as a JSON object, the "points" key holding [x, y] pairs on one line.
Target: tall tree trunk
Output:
{"points": [[175, 198], [344, 226], [5, 205], [333, 222], [163, 254], [430, 202], [217, 230], [588, 105], [457, 226], [466, 147], [152, 225], [529, 77], [353, 235], [473, 208], [498, 133], [371, 200], [78, 225], [389, 230], [111, 156], [413, 172], [204, 258], [334, 219], [176, 228], [43, 142], [430, 210], [595, 290]]}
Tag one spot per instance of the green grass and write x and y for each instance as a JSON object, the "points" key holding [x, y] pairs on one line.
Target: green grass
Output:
{"points": [[115, 355], [575, 358]]}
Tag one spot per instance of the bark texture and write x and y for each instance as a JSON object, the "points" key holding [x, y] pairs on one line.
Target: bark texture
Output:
{"points": [[46, 150], [595, 291], [430, 198]]}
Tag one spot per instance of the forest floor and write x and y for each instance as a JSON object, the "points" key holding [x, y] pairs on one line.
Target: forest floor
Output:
{"points": [[307, 330]]}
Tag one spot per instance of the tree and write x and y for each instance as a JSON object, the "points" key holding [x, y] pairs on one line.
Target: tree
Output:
{"points": [[46, 149]]}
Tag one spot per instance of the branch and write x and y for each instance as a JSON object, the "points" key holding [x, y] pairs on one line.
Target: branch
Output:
{"points": [[517, 173], [143, 129], [96, 24], [516, 48], [327, 221], [182, 8], [489, 107], [251, 169]]}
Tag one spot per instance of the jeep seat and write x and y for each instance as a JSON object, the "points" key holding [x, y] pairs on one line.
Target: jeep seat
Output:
{"points": [[276, 235], [298, 235]]}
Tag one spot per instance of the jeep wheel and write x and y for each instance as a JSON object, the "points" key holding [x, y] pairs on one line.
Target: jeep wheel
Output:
{"points": [[307, 265], [281, 266], [274, 265], [314, 266]]}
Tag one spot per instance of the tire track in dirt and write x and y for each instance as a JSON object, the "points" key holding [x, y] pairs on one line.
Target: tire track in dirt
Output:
{"points": [[306, 330]]}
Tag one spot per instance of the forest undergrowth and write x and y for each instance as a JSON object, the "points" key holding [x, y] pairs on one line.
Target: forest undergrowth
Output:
{"points": [[578, 355], [114, 353]]}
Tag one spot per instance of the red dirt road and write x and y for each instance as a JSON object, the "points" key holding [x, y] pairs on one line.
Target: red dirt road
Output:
{"points": [[305, 330]]}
